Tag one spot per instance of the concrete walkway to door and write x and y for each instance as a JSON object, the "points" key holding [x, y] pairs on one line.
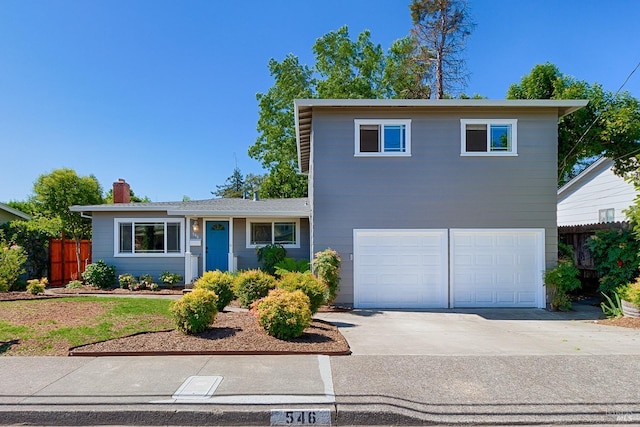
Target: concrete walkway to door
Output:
{"points": [[481, 332]]}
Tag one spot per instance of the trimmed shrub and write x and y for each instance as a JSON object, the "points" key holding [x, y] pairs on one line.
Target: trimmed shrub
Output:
{"points": [[251, 285], [270, 255], [194, 311], [313, 288], [326, 265], [219, 282], [100, 274], [284, 314], [35, 286], [12, 261]]}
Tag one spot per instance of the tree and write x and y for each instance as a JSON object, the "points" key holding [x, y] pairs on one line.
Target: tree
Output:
{"points": [[608, 126], [284, 181], [440, 30], [55, 192], [343, 69], [233, 187]]}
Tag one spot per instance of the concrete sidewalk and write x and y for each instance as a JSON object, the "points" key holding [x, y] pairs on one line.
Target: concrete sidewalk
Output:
{"points": [[408, 368]]}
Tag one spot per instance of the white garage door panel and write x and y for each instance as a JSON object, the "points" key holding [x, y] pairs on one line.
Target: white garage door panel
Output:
{"points": [[400, 268], [497, 268]]}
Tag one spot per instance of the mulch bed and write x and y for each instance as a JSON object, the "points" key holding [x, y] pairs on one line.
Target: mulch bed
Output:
{"points": [[233, 332]]}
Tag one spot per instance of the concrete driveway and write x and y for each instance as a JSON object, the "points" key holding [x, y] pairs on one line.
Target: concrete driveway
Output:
{"points": [[477, 332]]}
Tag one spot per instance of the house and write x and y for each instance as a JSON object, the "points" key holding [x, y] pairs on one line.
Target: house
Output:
{"points": [[430, 203], [434, 203], [194, 236], [8, 214], [596, 195]]}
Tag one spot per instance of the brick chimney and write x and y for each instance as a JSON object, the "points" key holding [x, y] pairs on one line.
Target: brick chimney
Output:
{"points": [[121, 192]]}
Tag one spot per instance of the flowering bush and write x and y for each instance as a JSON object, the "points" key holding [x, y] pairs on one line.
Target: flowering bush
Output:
{"points": [[126, 280], [35, 286], [326, 265], [252, 285], [12, 260], [313, 288], [615, 257], [194, 311], [169, 278], [219, 282], [284, 314]]}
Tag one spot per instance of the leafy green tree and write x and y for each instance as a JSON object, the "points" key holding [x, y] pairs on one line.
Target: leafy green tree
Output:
{"points": [[55, 192], [349, 69], [440, 30], [33, 236], [407, 71], [25, 206], [608, 126], [343, 68]]}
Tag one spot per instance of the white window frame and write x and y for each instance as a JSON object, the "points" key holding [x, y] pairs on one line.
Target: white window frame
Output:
{"points": [[382, 122], [604, 213], [133, 221], [514, 137], [272, 221]]}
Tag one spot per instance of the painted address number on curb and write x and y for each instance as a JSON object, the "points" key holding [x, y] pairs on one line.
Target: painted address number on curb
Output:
{"points": [[301, 417]]}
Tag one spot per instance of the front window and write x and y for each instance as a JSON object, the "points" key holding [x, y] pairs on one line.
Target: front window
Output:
{"points": [[261, 233], [383, 137], [488, 137], [148, 237]]}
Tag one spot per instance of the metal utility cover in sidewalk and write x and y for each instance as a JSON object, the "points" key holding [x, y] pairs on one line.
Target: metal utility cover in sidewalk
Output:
{"points": [[198, 387]]}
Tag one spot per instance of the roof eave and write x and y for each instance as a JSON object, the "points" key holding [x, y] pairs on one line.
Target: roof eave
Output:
{"points": [[239, 214], [118, 208]]}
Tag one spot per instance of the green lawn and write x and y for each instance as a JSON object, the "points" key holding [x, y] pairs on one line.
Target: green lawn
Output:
{"points": [[52, 326]]}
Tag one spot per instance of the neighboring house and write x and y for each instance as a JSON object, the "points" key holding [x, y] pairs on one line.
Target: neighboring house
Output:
{"points": [[8, 214], [434, 203], [195, 236], [596, 195]]}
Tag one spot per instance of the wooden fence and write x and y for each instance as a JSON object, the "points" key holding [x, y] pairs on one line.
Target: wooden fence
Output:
{"points": [[63, 266]]}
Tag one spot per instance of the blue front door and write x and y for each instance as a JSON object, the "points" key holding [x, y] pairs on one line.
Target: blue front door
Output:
{"points": [[217, 245]]}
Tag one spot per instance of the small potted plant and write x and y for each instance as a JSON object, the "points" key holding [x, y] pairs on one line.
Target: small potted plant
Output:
{"points": [[170, 279]]}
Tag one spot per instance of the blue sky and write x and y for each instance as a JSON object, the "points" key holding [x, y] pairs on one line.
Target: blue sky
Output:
{"points": [[162, 93]]}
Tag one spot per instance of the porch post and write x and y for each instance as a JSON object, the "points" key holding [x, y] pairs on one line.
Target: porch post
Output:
{"points": [[188, 274]]}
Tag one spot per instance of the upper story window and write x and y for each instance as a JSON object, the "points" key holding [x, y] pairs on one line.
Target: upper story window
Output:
{"points": [[148, 237], [266, 232], [377, 137], [481, 137], [606, 215]]}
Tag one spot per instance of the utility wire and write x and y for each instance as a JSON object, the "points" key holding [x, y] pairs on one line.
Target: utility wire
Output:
{"points": [[597, 117]]}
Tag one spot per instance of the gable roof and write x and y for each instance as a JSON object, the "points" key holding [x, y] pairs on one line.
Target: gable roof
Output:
{"points": [[15, 212], [303, 109], [212, 207], [593, 169]]}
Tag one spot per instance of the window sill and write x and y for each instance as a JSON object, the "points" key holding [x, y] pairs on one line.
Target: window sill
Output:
{"points": [[382, 155], [171, 255], [482, 154]]}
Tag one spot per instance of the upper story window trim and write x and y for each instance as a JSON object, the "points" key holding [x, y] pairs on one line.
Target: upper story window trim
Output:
{"points": [[489, 137], [382, 137]]}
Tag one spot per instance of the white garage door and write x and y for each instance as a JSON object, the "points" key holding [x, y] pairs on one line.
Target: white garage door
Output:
{"points": [[497, 268], [400, 269]]}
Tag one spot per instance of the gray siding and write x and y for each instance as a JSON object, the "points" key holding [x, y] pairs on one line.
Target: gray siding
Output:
{"points": [[102, 248], [103, 241], [435, 187], [247, 258]]}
